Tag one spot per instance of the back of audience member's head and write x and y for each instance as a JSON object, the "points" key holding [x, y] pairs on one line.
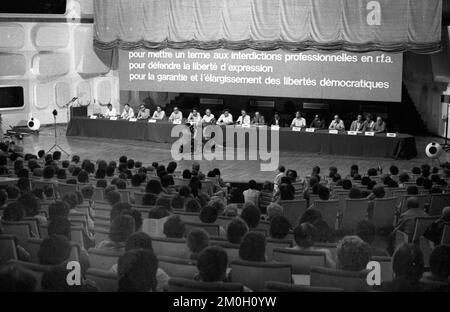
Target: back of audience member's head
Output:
{"points": [[419, 181], [110, 171], [324, 234], [158, 213], [394, 170], [355, 193], [208, 214], [54, 250], [59, 226], [267, 186], [197, 240], [13, 192], [440, 262], [136, 270], [83, 177], [192, 205], [187, 174], [121, 184], [55, 280], [87, 192], [136, 215], [324, 193], [153, 187], [113, 198], [138, 240], [353, 254], [253, 247], [279, 227], [408, 263], [101, 184], [427, 184], [212, 264], [58, 209], [365, 181], [305, 235], [236, 230], [71, 199], [121, 228], [13, 212], [14, 278], [252, 185], [136, 180], [403, 177], [171, 167], [372, 172], [379, 191], [231, 210], [310, 215], [174, 227], [366, 231], [412, 203], [117, 210], [287, 192], [347, 184], [164, 202], [251, 215], [273, 209]]}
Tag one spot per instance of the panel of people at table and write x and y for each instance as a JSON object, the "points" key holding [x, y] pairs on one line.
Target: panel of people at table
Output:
{"points": [[360, 124]]}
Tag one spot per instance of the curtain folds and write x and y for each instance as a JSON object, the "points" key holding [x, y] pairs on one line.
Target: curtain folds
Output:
{"points": [[404, 25]]}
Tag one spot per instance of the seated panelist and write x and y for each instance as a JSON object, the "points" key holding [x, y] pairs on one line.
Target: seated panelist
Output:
{"points": [[298, 121], [225, 119], [258, 120], [144, 113], [127, 113], [358, 124], [176, 116], [194, 118], [110, 111], [318, 123], [337, 124], [208, 119], [244, 119], [277, 120], [379, 126], [159, 114], [368, 124]]}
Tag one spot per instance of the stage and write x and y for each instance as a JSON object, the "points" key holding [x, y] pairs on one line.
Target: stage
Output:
{"points": [[238, 171], [320, 142]]}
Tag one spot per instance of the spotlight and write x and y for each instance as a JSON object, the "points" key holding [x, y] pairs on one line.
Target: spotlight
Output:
{"points": [[433, 150]]}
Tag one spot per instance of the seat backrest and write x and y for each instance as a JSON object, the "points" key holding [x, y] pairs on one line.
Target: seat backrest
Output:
{"points": [[223, 221], [64, 189], [76, 235], [188, 217], [34, 226], [332, 247], [283, 287], [125, 196], [385, 268], [8, 248], [421, 225], [36, 270], [329, 210], [349, 281], [293, 210], [254, 275], [102, 212], [301, 260], [105, 281], [276, 243], [438, 203], [355, 210], [178, 268], [384, 212], [170, 247], [231, 249], [101, 234], [103, 259], [34, 245], [99, 194], [446, 235], [139, 198], [186, 285], [211, 229], [21, 230]]}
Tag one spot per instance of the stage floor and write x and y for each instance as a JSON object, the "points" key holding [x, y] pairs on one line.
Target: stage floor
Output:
{"points": [[239, 171]]}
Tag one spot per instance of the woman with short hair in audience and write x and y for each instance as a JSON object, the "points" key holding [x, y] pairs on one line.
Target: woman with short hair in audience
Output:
{"points": [[196, 241], [54, 250], [137, 270], [408, 267], [15, 279], [253, 247], [32, 207], [305, 236], [212, 265], [355, 193], [121, 228], [209, 215], [153, 187], [174, 227], [274, 210], [251, 215], [353, 254], [279, 227], [236, 230], [192, 206]]}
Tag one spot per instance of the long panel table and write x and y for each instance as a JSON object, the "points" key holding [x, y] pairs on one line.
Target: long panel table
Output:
{"points": [[321, 141]]}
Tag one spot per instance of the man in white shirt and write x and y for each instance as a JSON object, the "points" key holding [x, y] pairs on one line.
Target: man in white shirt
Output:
{"points": [[110, 111], [127, 113], [225, 119], [337, 124], [159, 114], [258, 120], [244, 119], [176, 116], [208, 118], [299, 121], [144, 113], [194, 118]]}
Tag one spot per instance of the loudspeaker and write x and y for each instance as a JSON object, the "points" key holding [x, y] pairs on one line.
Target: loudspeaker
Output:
{"points": [[433, 150], [34, 124]]}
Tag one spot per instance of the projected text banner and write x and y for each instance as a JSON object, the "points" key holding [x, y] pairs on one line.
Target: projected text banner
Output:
{"points": [[374, 76]]}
